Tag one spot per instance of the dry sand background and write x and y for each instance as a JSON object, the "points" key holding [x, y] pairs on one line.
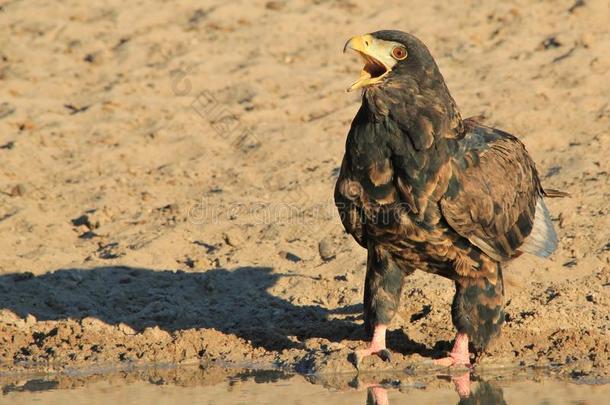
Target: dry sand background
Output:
{"points": [[167, 170]]}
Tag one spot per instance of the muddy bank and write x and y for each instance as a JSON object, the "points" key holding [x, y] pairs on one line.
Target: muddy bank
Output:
{"points": [[130, 316]]}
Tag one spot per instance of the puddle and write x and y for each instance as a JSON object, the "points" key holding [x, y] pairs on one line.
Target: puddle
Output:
{"points": [[216, 385]]}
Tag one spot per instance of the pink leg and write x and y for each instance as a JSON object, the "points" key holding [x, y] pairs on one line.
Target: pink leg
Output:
{"points": [[377, 346], [459, 354]]}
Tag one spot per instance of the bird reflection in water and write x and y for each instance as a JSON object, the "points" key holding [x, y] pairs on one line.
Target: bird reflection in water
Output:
{"points": [[485, 392]]}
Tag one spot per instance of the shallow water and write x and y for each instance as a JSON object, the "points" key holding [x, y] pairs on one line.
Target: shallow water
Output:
{"points": [[222, 386]]}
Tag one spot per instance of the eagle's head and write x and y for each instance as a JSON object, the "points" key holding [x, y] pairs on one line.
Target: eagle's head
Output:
{"points": [[401, 80], [390, 55]]}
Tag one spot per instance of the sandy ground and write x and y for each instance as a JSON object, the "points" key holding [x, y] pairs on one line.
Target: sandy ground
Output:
{"points": [[167, 170]]}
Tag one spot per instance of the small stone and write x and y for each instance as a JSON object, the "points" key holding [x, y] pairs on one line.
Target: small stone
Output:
{"points": [[577, 4], [570, 263], [6, 109], [156, 334], [550, 42], [27, 275], [190, 262], [197, 17], [30, 320], [88, 235], [289, 256], [64, 331], [83, 220], [172, 208], [8, 317], [233, 237], [274, 5], [126, 329], [587, 367], [93, 324], [17, 191], [8, 146], [326, 250], [586, 39], [312, 344], [272, 232], [335, 346]]}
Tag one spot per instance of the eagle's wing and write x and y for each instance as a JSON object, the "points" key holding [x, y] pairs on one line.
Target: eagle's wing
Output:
{"points": [[347, 194], [494, 198]]}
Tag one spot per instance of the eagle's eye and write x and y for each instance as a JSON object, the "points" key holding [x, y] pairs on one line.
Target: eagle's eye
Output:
{"points": [[399, 52]]}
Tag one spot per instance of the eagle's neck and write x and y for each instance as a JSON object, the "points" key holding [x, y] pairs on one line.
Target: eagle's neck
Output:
{"points": [[422, 109]]}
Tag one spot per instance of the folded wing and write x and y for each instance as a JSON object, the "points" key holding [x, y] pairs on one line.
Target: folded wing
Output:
{"points": [[495, 199]]}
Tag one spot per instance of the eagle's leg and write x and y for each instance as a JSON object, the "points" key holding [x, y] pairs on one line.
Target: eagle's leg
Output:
{"points": [[382, 288], [477, 313], [459, 354]]}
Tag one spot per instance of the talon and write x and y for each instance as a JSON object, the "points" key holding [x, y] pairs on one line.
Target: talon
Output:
{"points": [[377, 346], [385, 355], [358, 355]]}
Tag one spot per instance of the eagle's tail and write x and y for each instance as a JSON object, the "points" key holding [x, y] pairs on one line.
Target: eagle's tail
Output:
{"points": [[542, 241]]}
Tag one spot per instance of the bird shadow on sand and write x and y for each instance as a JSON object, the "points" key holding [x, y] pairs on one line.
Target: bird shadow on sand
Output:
{"points": [[235, 301]]}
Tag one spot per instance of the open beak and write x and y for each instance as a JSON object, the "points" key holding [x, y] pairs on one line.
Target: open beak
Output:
{"points": [[375, 55]]}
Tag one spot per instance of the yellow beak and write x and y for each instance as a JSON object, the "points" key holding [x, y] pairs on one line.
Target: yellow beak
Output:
{"points": [[376, 56]]}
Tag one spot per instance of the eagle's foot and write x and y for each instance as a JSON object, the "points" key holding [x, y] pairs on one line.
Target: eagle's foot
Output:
{"points": [[459, 355], [383, 353], [376, 347]]}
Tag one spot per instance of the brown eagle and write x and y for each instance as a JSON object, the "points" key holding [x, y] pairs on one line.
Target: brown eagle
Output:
{"points": [[423, 189]]}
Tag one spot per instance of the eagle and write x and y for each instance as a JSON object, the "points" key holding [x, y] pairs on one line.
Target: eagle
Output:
{"points": [[420, 188]]}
